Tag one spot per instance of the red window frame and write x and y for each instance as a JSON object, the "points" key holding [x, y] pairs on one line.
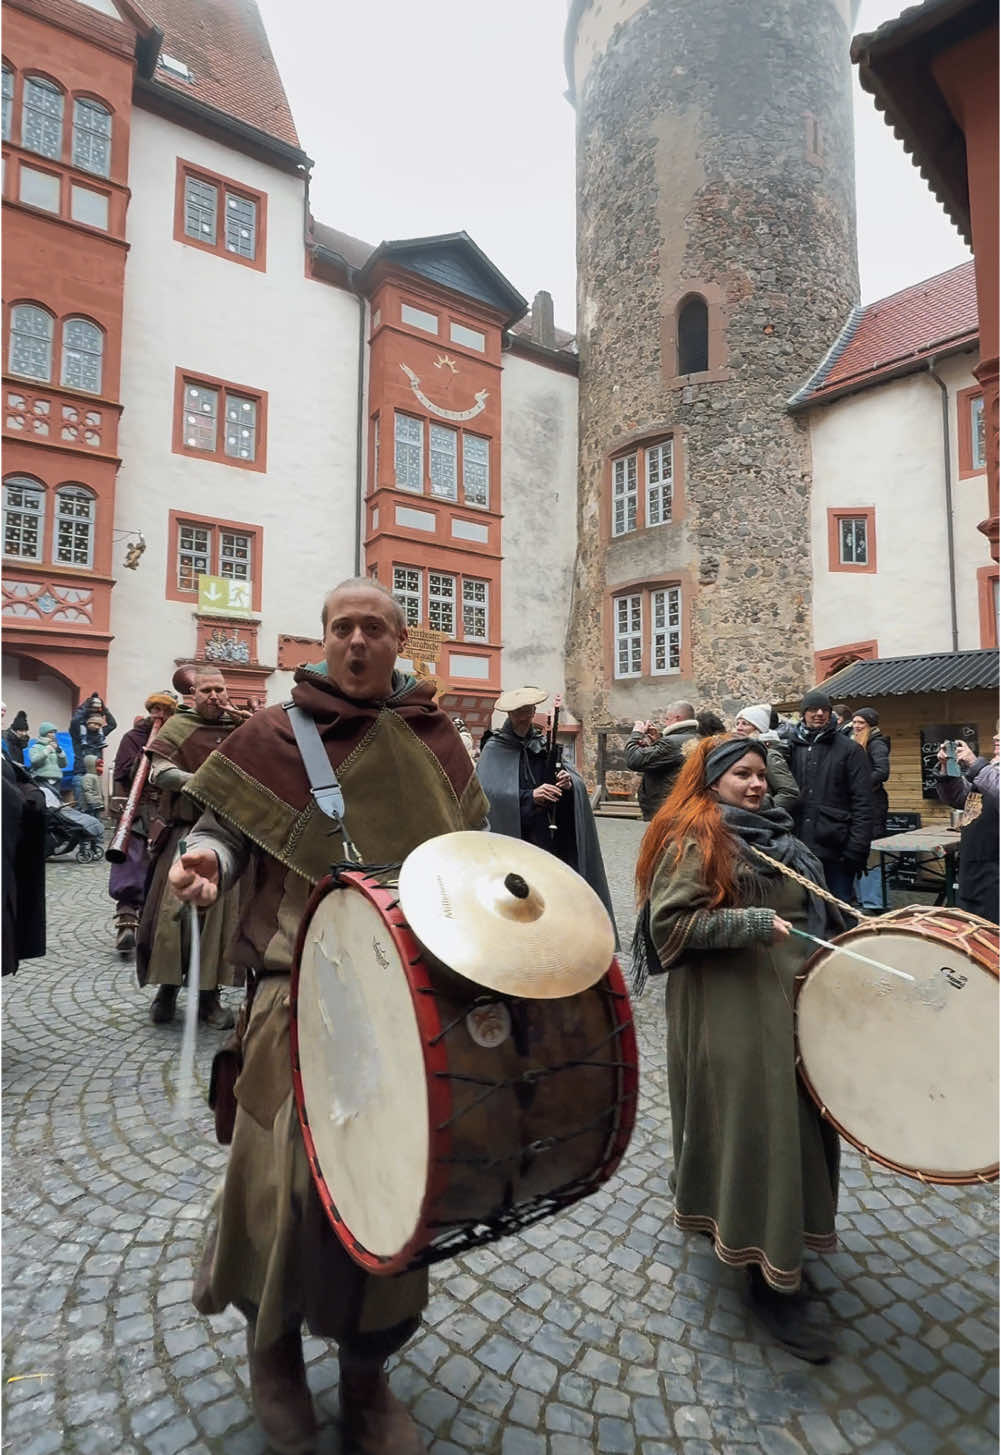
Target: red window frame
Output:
{"points": [[214, 525], [183, 378], [835, 515], [259, 261]]}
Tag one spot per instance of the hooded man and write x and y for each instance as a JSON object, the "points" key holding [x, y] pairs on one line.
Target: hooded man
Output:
{"points": [[405, 777], [658, 754], [127, 881], [834, 814], [555, 816], [176, 752]]}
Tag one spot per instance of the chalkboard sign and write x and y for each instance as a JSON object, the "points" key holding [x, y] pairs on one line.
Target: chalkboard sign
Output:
{"points": [[933, 735]]}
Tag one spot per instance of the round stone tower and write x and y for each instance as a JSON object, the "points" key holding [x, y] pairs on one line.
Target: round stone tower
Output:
{"points": [[716, 265]]}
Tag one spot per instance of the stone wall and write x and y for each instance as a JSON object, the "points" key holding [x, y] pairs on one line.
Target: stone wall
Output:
{"points": [[714, 155]]}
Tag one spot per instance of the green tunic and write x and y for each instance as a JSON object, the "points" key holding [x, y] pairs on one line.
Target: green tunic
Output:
{"points": [[756, 1166]]}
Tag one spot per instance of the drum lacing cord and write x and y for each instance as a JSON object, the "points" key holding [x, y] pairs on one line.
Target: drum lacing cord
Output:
{"points": [[528, 1078], [543, 1144], [808, 884]]}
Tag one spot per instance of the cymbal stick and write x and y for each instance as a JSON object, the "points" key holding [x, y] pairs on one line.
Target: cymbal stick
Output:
{"points": [[852, 954]]}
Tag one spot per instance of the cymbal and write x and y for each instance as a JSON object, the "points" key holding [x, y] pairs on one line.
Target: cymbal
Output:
{"points": [[506, 915]]}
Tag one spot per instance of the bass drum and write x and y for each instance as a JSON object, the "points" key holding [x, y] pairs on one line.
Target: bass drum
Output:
{"points": [[908, 1072], [438, 1115]]}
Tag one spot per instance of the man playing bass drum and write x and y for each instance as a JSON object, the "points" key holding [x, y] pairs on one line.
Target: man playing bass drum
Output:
{"points": [[405, 778]]}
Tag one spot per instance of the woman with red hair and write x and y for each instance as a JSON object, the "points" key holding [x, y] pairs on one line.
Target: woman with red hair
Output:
{"points": [[755, 1165]]}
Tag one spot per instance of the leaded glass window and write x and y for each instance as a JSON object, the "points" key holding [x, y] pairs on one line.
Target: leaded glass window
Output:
{"points": [[407, 590], [74, 526], [978, 447], [628, 636], [475, 469], [474, 610], [83, 348], [235, 555], [659, 482], [854, 535], [409, 450], [193, 559], [665, 645], [23, 517], [444, 462], [201, 207], [624, 495], [42, 117], [91, 137], [31, 342], [241, 226], [8, 101], [441, 603], [201, 406], [241, 427]]}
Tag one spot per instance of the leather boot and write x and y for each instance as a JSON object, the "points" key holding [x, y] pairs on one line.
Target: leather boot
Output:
{"points": [[126, 924], [785, 1317], [280, 1394], [164, 1001], [212, 1012], [374, 1420]]}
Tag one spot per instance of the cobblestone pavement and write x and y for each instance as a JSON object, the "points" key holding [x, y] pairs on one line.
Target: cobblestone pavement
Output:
{"points": [[604, 1330]]}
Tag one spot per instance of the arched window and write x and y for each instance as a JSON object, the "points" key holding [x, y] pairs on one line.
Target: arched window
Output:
{"points": [[23, 517], [91, 136], [74, 542], [8, 101], [30, 342], [83, 347], [42, 117], [693, 336]]}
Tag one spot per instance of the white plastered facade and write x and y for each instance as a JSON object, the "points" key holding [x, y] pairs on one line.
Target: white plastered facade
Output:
{"points": [[276, 331], [883, 448]]}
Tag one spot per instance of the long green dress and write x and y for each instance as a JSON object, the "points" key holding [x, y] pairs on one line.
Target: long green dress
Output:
{"points": [[756, 1166]]}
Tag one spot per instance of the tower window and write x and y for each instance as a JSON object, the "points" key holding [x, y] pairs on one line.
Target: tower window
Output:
{"points": [[693, 336]]}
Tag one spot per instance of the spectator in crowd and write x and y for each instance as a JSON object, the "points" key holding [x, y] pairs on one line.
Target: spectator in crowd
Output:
{"points": [[755, 722], [975, 791], [16, 739], [90, 783], [90, 727], [656, 754], [834, 814], [46, 758], [710, 723], [865, 731], [844, 716]]}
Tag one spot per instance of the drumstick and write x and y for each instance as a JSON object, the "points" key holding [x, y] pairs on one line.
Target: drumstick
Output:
{"points": [[186, 1067], [852, 954]]}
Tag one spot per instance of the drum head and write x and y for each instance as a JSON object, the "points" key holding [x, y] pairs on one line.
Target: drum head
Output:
{"points": [[361, 1061], [908, 1072]]}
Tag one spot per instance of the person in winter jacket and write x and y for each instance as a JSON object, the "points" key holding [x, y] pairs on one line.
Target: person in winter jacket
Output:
{"points": [[834, 814], [658, 754], [976, 793], [46, 758], [865, 731], [90, 727], [754, 722], [16, 739]]}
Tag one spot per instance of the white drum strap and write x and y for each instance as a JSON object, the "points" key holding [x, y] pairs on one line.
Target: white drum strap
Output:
{"points": [[807, 883], [326, 790]]}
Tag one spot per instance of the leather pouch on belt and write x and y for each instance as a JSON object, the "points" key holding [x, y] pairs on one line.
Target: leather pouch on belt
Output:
{"points": [[227, 1063]]}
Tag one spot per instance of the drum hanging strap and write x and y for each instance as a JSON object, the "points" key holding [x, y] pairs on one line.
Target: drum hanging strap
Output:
{"points": [[326, 790]]}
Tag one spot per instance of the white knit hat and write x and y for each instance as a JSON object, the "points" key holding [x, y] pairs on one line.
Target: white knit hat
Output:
{"points": [[760, 715]]}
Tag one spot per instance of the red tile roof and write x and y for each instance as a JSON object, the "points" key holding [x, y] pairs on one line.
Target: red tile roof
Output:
{"points": [[225, 46], [896, 334]]}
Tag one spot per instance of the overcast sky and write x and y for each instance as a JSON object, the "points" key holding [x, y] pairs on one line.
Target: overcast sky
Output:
{"points": [[450, 114]]}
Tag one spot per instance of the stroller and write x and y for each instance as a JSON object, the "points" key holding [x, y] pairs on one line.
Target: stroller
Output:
{"points": [[67, 829]]}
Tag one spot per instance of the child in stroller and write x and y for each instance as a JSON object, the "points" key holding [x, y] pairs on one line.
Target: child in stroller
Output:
{"points": [[68, 829]]}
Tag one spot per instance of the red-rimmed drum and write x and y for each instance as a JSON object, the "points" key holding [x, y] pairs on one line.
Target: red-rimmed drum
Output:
{"points": [[438, 1115], [907, 1071]]}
